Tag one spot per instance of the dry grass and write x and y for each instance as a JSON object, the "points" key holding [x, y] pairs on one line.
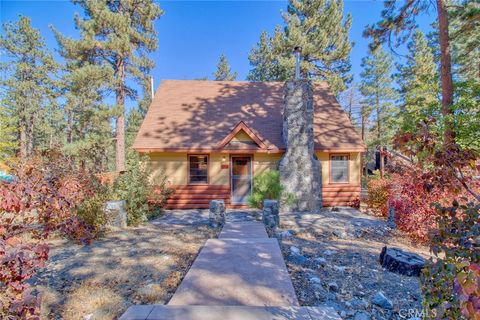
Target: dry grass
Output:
{"points": [[141, 265], [101, 302]]}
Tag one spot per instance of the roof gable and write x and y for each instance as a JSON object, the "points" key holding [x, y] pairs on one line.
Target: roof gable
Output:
{"points": [[239, 128]]}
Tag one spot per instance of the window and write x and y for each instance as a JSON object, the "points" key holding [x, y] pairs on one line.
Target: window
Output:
{"points": [[198, 169], [339, 169]]}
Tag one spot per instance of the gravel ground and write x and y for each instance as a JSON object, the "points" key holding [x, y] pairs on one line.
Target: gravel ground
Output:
{"points": [[141, 265], [333, 259]]}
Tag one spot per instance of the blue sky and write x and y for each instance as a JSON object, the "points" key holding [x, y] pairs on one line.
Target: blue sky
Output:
{"points": [[192, 34]]}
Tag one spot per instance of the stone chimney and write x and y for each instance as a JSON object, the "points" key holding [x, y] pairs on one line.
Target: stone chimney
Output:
{"points": [[300, 170]]}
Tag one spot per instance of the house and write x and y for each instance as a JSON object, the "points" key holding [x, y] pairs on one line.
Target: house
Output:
{"points": [[211, 138]]}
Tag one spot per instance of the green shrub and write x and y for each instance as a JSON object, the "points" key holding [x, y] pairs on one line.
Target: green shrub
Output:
{"points": [[267, 186], [136, 187], [451, 281], [91, 211]]}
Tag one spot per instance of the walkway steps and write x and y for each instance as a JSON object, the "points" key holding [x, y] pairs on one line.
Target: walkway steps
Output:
{"points": [[162, 312]]}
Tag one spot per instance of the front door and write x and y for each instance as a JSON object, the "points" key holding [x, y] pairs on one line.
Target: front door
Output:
{"points": [[241, 179]]}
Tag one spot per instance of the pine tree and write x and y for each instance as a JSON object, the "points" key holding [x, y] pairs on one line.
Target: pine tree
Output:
{"points": [[88, 138], [117, 35], [224, 72], [322, 32], [418, 80], [376, 87], [8, 133], [465, 30], [263, 58], [399, 20], [134, 121], [28, 85]]}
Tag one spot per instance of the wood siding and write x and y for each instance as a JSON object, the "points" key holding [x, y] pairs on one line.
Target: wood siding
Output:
{"points": [[175, 167]]}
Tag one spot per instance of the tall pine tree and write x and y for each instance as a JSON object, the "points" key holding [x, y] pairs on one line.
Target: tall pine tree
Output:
{"points": [[264, 58], [321, 30], [28, 95], [118, 35], [376, 87], [465, 31], [224, 72], [418, 80]]}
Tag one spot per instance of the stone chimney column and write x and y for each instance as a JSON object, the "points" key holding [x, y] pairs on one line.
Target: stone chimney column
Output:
{"points": [[300, 170]]}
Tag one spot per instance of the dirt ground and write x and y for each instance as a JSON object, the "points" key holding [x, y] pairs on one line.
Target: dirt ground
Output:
{"points": [[141, 265], [341, 265]]}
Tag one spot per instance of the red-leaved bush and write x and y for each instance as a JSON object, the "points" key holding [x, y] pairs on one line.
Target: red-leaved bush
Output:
{"points": [[40, 201]]}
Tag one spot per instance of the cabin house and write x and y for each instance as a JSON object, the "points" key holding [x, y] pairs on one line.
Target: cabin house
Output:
{"points": [[210, 138]]}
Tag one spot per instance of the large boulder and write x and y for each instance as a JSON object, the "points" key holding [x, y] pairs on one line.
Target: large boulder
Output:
{"points": [[217, 213], [402, 262], [116, 214]]}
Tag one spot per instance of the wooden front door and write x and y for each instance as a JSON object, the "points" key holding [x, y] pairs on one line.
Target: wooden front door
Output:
{"points": [[241, 179]]}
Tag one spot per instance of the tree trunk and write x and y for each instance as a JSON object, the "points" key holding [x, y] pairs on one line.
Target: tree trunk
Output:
{"points": [[364, 121], [379, 137], [69, 126], [30, 138], [120, 121], [446, 72], [23, 140]]}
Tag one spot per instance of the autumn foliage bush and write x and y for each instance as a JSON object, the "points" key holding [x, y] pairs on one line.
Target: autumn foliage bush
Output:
{"points": [[41, 201], [451, 280], [379, 195]]}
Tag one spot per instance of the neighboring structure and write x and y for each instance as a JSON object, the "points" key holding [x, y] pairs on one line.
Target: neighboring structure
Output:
{"points": [[211, 137]]}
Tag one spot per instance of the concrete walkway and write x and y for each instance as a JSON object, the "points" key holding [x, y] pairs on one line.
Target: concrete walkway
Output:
{"points": [[242, 268], [240, 275]]}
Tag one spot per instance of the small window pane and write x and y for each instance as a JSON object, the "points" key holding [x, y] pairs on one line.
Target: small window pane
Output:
{"points": [[198, 169], [339, 168]]}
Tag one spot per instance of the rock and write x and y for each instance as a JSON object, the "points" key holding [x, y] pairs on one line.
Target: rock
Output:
{"points": [[343, 314], [314, 279], [380, 300], [217, 213], [286, 234], [329, 252], [361, 315], [402, 262], [88, 316], [116, 213], [340, 269], [321, 261], [340, 234], [149, 290], [298, 259], [270, 216], [357, 303], [300, 169], [294, 250], [333, 286]]}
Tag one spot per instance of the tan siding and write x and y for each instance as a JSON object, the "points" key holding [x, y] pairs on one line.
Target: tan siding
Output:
{"points": [[219, 176], [241, 136], [265, 161], [173, 165], [354, 169]]}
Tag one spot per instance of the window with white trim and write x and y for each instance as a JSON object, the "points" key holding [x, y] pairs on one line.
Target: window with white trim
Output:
{"points": [[339, 168], [198, 169]]}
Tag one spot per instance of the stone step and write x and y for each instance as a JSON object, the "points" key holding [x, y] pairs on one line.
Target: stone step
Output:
{"points": [[243, 230], [168, 312]]}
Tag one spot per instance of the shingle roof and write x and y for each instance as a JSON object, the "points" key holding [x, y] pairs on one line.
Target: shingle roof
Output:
{"points": [[199, 114]]}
